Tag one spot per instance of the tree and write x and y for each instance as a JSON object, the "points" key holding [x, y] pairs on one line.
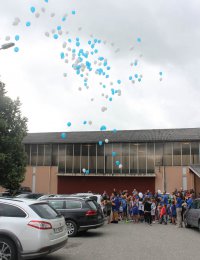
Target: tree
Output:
{"points": [[13, 128]]}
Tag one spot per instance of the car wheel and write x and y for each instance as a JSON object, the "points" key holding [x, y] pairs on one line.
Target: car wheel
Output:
{"points": [[71, 228], [186, 223], [7, 249]]}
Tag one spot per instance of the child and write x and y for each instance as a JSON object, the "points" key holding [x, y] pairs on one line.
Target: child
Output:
{"points": [[153, 210], [135, 211], [141, 209], [163, 214]]}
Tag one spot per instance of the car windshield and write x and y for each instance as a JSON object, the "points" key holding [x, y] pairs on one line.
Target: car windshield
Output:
{"points": [[45, 211]]}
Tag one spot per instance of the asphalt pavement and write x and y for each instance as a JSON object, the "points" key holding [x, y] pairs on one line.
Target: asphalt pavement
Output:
{"points": [[132, 241]]}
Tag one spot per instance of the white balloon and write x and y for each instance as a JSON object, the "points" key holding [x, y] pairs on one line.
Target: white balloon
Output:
{"points": [[7, 38], [47, 34], [60, 32], [84, 170], [90, 122], [52, 14], [103, 109], [65, 74], [64, 45], [43, 9], [53, 31], [140, 194], [120, 166], [37, 15], [92, 99], [79, 88], [106, 141]]}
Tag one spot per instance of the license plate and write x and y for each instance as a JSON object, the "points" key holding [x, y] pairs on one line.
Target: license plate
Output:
{"points": [[58, 230]]}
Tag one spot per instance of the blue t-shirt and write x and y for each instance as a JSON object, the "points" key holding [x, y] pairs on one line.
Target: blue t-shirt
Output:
{"points": [[117, 204], [165, 199], [189, 202], [179, 202]]}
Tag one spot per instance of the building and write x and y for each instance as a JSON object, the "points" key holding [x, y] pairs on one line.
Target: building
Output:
{"points": [[151, 159]]}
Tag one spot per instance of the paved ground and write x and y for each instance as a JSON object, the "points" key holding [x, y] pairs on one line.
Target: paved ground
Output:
{"points": [[132, 241]]}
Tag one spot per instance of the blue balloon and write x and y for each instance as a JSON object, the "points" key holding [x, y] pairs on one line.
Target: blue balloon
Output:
{"points": [[16, 37], [119, 81], [117, 163], [160, 73], [77, 44], [110, 99], [84, 122], [28, 24], [64, 19], [59, 27], [69, 124], [130, 78], [63, 135], [103, 128], [139, 39], [114, 154], [62, 55], [114, 131], [32, 9], [73, 12], [87, 171], [55, 36], [46, 1], [16, 49], [136, 76], [100, 143]]}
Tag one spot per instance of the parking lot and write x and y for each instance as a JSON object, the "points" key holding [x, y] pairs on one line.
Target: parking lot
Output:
{"points": [[132, 241]]}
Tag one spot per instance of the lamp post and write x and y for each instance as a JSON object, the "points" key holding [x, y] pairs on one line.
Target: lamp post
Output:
{"points": [[7, 45]]}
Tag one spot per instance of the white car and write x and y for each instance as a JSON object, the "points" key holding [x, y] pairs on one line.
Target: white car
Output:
{"points": [[29, 229]]}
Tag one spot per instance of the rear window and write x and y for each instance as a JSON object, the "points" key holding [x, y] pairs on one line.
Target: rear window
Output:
{"points": [[44, 211], [92, 204]]}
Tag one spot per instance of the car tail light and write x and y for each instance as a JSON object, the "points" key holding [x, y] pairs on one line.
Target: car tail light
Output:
{"points": [[42, 225], [91, 213]]}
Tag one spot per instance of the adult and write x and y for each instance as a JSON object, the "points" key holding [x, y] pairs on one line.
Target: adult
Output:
{"points": [[115, 207], [179, 202], [147, 211]]}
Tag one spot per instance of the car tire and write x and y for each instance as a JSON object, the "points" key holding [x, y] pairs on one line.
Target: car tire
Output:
{"points": [[186, 223], [71, 228], [7, 249]]}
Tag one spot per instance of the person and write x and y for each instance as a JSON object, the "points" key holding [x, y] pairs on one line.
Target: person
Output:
{"points": [[115, 207], [153, 210], [179, 202], [173, 212], [135, 211], [163, 214], [108, 208], [147, 211], [141, 209]]}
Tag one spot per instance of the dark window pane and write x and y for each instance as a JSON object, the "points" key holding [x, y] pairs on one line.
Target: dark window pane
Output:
{"points": [[55, 154], [11, 211], [84, 157], [142, 158], [195, 153], [47, 160], [44, 211], [56, 204], [185, 153], [176, 154], [77, 150], [133, 158], [108, 158], [34, 154], [158, 154], [92, 158], [27, 150], [100, 159], [168, 154], [125, 158], [118, 157], [150, 158], [69, 158], [61, 163], [40, 155], [73, 204]]}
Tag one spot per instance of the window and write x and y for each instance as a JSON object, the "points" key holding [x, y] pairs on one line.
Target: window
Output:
{"points": [[11, 211], [125, 158], [142, 158], [117, 158], [194, 152], [34, 154], [44, 211], [55, 154], [92, 158], [134, 158], [168, 154], [177, 154], [56, 204], [27, 150], [61, 163], [92, 205], [69, 158], [48, 150], [158, 154], [40, 161], [73, 204], [108, 158], [185, 153], [100, 159], [84, 157], [77, 151], [150, 158]]}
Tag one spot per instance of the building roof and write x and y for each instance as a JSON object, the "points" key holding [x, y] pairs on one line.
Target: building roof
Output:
{"points": [[195, 169], [141, 136]]}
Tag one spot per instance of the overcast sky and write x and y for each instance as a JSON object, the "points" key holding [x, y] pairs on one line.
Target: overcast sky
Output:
{"points": [[145, 38]]}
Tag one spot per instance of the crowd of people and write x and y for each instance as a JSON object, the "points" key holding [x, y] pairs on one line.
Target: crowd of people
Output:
{"points": [[162, 208]]}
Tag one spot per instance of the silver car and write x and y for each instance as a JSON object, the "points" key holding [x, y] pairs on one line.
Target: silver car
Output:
{"points": [[192, 215]]}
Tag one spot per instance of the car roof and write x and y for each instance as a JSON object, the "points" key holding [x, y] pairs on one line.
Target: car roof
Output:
{"points": [[19, 201], [67, 198]]}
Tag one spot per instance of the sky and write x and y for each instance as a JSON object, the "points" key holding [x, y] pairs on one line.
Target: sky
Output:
{"points": [[131, 64]]}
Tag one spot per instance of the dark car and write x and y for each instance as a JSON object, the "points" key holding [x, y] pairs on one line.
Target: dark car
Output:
{"points": [[33, 196], [192, 215], [80, 214]]}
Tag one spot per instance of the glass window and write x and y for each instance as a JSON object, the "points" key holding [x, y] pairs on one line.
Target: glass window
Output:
{"points": [[40, 161], [84, 157], [69, 158], [168, 154], [48, 149], [108, 158], [34, 154], [142, 158], [61, 163], [55, 154], [77, 151], [92, 158], [134, 158], [11, 211], [194, 153], [117, 158], [44, 211], [150, 158], [100, 158], [177, 154], [158, 154], [73, 204], [125, 158], [56, 204], [185, 153], [92, 205], [27, 150]]}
